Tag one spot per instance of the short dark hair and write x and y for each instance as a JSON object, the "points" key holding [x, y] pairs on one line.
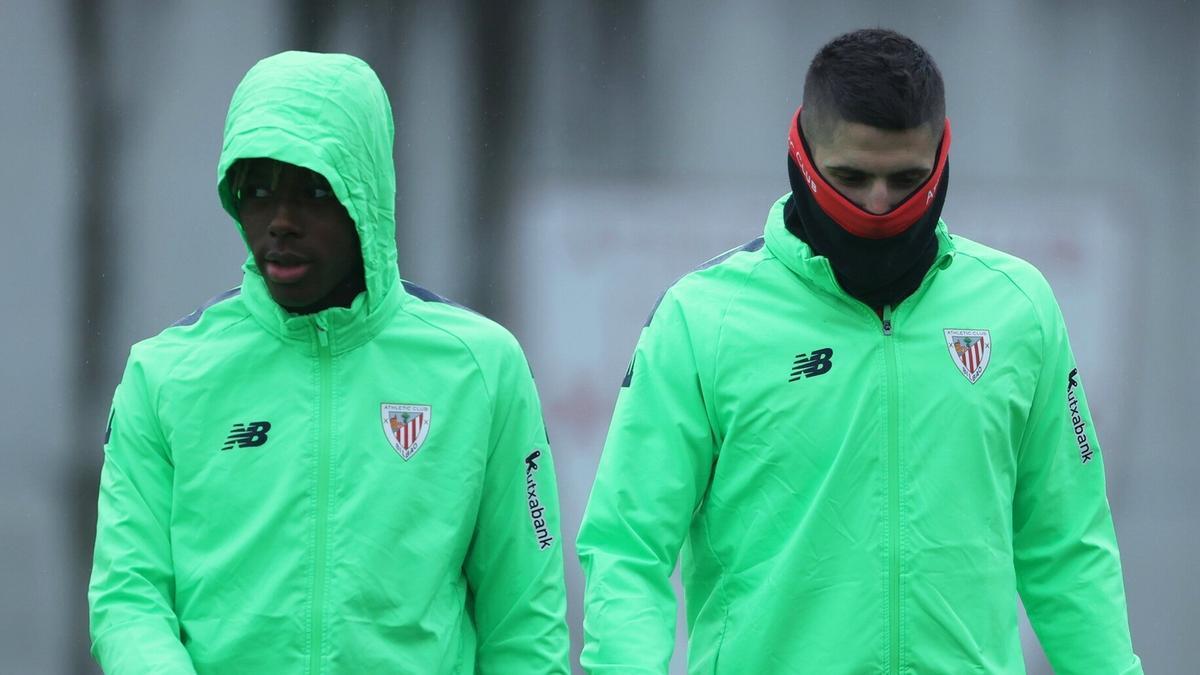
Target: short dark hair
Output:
{"points": [[875, 77]]}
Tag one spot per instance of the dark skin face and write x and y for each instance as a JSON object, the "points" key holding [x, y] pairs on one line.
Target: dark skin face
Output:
{"points": [[302, 238]]}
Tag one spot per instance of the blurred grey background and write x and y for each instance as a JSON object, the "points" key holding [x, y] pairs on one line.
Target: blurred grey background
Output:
{"points": [[560, 163]]}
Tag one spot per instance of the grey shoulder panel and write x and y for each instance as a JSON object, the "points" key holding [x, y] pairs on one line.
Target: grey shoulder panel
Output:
{"points": [[753, 245], [426, 295], [195, 316], [750, 246]]}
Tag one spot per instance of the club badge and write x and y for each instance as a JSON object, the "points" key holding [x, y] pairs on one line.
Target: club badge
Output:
{"points": [[970, 350], [405, 426]]}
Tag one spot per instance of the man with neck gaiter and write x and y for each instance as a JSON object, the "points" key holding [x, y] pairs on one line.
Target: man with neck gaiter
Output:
{"points": [[866, 435]]}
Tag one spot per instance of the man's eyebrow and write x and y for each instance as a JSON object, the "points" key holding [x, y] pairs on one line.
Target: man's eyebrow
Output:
{"points": [[922, 170]]}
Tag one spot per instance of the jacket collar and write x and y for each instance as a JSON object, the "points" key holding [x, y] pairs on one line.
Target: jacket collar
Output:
{"points": [[815, 270], [345, 328]]}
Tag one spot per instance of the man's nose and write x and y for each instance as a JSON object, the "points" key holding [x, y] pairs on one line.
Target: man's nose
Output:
{"points": [[879, 198], [284, 219]]}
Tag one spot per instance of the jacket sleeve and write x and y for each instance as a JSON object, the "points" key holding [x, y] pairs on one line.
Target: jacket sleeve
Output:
{"points": [[1065, 550], [653, 473], [514, 565], [131, 595]]}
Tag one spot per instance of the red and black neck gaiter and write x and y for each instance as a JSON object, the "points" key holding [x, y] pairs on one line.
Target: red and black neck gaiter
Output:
{"points": [[878, 259]]}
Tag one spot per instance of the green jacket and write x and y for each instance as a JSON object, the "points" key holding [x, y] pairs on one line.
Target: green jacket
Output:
{"points": [[851, 494], [362, 490]]}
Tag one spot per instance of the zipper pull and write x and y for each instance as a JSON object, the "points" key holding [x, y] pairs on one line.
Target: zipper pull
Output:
{"points": [[887, 319], [322, 333]]}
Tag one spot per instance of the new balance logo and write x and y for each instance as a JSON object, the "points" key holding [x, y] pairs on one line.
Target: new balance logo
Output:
{"points": [[806, 365], [249, 435]]}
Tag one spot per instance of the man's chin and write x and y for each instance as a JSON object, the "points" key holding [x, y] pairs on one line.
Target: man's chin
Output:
{"points": [[293, 298], [303, 297]]}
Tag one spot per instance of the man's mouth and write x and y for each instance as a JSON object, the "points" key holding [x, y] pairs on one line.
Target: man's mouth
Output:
{"points": [[286, 268]]}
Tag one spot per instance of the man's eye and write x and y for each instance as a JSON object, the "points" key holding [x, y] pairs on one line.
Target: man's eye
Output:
{"points": [[320, 193], [255, 192], [850, 179], [906, 184]]}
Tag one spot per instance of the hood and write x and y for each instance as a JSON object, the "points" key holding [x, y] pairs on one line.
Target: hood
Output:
{"points": [[328, 113]]}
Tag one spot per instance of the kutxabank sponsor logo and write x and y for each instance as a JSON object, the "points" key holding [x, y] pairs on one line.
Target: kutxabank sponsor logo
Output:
{"points": [[406, 426], [537, 510], [971, 351], [1078, 424]]}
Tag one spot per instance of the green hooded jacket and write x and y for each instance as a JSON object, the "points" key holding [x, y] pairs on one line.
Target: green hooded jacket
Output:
{"points": [[360, 490], [851, 494]]}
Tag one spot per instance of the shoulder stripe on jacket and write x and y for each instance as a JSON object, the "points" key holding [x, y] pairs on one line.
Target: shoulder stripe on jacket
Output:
{"points": [[195, 316], [750, 246], [427, 295]]}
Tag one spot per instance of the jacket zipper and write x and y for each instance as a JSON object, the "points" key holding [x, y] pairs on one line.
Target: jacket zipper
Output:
{"points": [[319, 540], [893, 423]]}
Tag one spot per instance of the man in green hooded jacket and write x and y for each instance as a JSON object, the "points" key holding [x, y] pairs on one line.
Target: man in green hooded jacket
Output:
{"points": [[866, 435], [325, 470]]}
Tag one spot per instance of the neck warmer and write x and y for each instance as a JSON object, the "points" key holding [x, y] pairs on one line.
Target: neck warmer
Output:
{"points": [[878, 259]]}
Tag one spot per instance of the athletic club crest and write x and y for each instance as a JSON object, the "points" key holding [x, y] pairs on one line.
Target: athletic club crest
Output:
{"points": [[971, 350], [405, 426]]}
